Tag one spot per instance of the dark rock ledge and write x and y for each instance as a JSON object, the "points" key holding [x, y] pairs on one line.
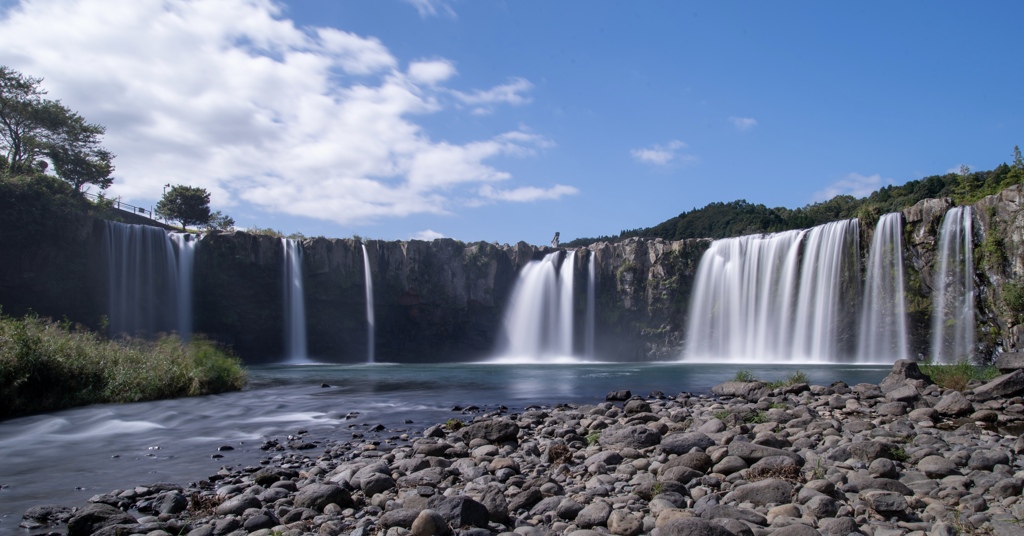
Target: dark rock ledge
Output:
{"points": [[902, 458]]}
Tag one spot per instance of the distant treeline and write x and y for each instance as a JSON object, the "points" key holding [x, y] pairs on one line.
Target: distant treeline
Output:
{"points": [[737, 218]]}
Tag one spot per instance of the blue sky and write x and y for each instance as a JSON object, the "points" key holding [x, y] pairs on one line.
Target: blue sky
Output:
{"points": [[507, 121]]}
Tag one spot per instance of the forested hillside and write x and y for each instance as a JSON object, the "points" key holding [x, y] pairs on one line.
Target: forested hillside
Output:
{"points": [[737, 218]]}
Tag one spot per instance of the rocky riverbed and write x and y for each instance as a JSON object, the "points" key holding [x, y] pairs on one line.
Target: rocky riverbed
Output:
{"points": [[901, 457]]}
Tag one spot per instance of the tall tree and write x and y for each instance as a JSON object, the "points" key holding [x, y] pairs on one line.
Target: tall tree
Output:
{"points": [[36, 132], [189, 205]]}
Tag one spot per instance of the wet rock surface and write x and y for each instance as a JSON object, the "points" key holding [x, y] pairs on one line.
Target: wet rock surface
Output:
{"points": [[828, 460]]}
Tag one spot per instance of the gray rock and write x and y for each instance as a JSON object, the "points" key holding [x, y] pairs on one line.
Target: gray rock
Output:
{"points": [[839, 526], [1009, 487], [624, 523], [635, 436], [937, 467], [1010, 361], [725, 511], [494, 501], [682, 443], [884, 468], [636, 406], [460, 511], [618, 396], [730, 465], [568, 509], [493, 431], [375, 483], [902, 370], [431, 476], [858, 483], [953, 404], [692, 526], [904, 393], [822, 506], [1004, 386], [318, 496], [399, 517], [768, 491], [752, 391], [594, 514], [986, 459], [238, 504], [750, 452], [796, 529], [429, 523], [885, 502], [93, 517]]}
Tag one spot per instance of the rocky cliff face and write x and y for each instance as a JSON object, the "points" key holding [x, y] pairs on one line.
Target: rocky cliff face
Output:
{"points": [[444, 300]]}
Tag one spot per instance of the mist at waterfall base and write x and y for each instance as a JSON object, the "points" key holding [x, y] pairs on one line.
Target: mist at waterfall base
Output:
{"points": [[68, 456]]}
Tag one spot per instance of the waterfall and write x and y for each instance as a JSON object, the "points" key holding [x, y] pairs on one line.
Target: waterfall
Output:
{"points": [[953, 298], [294, 302], [185, 245], [371, 340], [777, 297], [883, 321], [589, 322], [150, 285], [563, 335], [539, 320]]}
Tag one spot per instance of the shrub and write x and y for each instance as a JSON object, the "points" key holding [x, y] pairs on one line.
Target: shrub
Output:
{"points": [[46, 366], [1013, 297], [744, 376], [957, 375]]}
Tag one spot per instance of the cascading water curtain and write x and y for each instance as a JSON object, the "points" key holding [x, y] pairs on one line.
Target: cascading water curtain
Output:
{"points": [[883, 321], [294, 302], [953, 296], [370, 334], [185, 245], [778, 297], [143, 278], [539, 320]]}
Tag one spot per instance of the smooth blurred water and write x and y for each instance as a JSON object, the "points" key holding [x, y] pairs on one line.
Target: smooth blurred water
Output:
{"points": [[68, 456]]}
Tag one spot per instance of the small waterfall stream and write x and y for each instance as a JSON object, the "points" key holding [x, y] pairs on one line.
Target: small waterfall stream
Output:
{"points": [[294, 303], [150, 280], [591, 308], [371, 342], [883, 321], [953, 299]]}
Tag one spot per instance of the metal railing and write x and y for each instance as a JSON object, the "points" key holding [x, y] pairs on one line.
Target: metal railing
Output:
{"points": [[117, 203]]}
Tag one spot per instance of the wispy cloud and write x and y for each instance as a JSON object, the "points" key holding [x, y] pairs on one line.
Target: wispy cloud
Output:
{"points": [[853, 184], [743, 124], [662, 155], [427, 234], [527, 193], [300, 120], [432, 8]]}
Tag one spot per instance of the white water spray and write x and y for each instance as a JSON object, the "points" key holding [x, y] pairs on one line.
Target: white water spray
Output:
{"points": [[539, 319], [953, 299], [186, 248], [370, 331], [591, 307], [883, 321], [773, 297], [294, 302]]}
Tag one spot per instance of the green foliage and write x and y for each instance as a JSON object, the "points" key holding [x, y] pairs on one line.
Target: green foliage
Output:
{"points": [[189, 205], [1013, 297], [957, 375], [220, 222], [45, 366], [265, 231], [736, 218], [593, 438], [744, 376], [722, 415], [793, 379], [454, 424], [757, 417], [992, 253], [36, 207], [36, 132]]}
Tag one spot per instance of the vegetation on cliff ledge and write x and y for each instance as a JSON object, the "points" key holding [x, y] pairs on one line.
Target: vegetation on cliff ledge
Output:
{"points": [[46, 366]]}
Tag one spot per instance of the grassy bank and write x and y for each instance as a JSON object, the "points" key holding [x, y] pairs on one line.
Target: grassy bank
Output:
{"points": [[45, 366], [958, 375]]}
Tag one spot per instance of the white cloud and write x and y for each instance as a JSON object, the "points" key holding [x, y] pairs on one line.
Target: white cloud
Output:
{"points": [[527, 193], [743, 124], [662, 155], [427, 234], [853, 184], [230, 96], [484, 100], [432, 8]]}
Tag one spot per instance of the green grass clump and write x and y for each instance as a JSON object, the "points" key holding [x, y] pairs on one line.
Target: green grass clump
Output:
{"points": [[46, 366], [957, 375], [744, 376], [793, 379]]}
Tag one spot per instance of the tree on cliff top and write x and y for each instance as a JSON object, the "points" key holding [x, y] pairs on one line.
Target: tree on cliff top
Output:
{"points": [[36, 133], [186, 204]]}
